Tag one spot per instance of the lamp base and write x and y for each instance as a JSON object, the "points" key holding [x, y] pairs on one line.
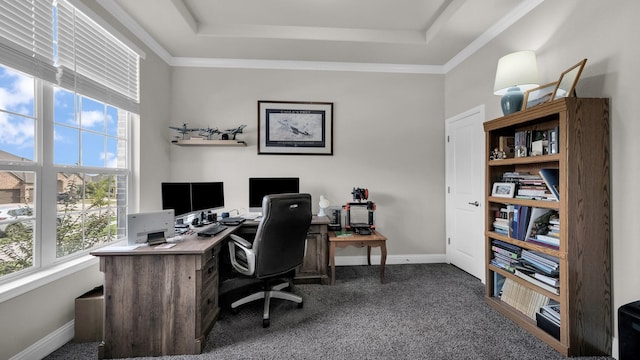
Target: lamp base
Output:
{"points": [[512, 101]]}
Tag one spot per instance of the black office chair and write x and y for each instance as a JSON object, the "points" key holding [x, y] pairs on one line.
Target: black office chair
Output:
{"points": [[277, 249]]}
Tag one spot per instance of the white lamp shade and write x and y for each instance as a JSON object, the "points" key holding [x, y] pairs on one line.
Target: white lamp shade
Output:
{"points": [[516, 69]]}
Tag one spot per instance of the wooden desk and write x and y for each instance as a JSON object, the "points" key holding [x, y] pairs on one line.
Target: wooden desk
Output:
{"points": [[374, 240], [165, 301]]}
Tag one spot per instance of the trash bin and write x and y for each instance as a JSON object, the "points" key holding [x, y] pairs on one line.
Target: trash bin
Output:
{"points": [[629, 331]]}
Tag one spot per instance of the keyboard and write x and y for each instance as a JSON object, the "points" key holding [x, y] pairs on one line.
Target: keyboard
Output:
{"points": [[212, 230]]}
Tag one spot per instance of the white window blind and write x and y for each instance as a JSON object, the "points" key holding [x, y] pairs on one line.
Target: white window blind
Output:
{"points": [[93, 62], [26, 37]]}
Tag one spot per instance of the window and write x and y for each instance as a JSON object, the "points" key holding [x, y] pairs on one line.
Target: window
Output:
{"points": [[65, 111]]}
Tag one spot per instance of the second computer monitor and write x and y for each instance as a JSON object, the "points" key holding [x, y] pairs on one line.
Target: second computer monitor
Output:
{"points": [[259, 187], [207, 196]]}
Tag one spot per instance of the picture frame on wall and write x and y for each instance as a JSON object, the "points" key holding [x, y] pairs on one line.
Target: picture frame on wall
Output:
{"points": [[503, 189], [295, 128], [539, 95], [566, 86]]}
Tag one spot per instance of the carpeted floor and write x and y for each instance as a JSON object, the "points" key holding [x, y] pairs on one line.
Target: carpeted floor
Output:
{"points": [[423, 311]]}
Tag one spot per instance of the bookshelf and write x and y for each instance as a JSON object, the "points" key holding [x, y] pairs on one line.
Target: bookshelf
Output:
{"points": [[583, 254]]}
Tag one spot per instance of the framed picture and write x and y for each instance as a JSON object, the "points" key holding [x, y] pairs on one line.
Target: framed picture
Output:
{"points": [[295, 128], [539, 95], [501, 189], [568, 80]]}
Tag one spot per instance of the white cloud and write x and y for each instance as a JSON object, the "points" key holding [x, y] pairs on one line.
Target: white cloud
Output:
{"points": [[111, 159]]}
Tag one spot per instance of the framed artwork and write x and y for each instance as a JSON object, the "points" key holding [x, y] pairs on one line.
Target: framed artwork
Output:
{"points": [[501, 189], [539, 95], [568, 80], [295, 128]]}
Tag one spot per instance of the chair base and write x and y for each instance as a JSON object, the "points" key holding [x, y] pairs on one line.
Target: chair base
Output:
{"points": [[270, 292]]}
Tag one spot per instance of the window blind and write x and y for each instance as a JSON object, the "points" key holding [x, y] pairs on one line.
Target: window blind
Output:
{"points": [[26, 37], [93, 62]]}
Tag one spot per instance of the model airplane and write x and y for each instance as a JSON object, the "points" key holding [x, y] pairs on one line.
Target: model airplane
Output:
{"points": [[293, 129], [208, 132], [231, 133], [184, 130]]}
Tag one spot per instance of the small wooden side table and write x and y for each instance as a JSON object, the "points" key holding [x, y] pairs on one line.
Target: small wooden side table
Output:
{"points": [[374, 240]]}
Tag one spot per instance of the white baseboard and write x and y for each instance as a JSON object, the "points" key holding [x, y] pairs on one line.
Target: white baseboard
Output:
{"points": [[48, 344], [391, 259]]}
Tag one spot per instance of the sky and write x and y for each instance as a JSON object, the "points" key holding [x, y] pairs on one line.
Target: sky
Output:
{"points": [[93, 131]]}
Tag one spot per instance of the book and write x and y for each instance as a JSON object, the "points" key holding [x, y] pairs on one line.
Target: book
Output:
{"points": [[522, 298], [548, 325], [553, 281], [539, 222], [537, 282], [551, 178]]}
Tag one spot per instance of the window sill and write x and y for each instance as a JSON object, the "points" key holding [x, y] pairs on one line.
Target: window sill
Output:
{"points": [[45, 276]]}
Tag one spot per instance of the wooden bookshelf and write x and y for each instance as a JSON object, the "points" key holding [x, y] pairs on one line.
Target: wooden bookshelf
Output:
{"points": [[584, 254]]}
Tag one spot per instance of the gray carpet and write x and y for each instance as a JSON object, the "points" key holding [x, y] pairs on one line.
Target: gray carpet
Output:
{"points": [[423, 311]]}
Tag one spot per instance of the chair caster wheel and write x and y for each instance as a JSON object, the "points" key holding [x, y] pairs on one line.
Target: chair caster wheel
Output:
{"points": [[300, 305], [265, 323], [234, 311]]}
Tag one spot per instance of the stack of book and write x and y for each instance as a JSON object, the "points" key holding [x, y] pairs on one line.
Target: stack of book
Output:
{"points": [[539, 269], [502, 220], [534, 186], [505, 255], [544, 228], [548, 319], [523, 298]]}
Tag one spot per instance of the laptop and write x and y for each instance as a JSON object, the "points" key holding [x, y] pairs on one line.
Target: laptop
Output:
{"points": [[232, 221]]}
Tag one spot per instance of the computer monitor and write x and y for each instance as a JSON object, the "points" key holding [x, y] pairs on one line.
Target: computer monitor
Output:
{"points": [[259, 187], [177, 196], [152, 227], [207, 196]]}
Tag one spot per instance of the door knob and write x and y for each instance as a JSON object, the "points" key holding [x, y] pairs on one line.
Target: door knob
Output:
{"points": [[475, 203]]}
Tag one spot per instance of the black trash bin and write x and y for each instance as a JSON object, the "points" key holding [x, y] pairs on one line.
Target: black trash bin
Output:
{"points": [[629, 331]]}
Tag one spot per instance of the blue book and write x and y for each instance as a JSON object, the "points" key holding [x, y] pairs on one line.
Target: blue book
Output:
{"points": [[551, 178]]}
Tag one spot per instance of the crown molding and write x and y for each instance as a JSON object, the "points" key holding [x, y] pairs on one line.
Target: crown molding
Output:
{"points": [[512, 17], [503, 24], [305, 65]]}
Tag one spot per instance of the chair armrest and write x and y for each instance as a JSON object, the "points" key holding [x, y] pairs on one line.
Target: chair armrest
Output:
{"points": [[243, 242], [243, 257]]}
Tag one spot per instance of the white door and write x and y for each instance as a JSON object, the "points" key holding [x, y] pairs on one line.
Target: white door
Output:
{"points": [[465, 148]]}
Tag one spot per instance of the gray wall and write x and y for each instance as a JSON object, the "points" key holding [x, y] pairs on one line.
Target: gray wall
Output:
{"points": [[388, 137], [562, 33]]}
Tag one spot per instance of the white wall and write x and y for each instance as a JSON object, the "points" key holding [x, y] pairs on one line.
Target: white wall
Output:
{"points": [[388, 137], [562, 33]]}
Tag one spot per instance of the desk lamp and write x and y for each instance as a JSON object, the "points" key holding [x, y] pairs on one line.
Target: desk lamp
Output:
{"points": [[516, 72]]}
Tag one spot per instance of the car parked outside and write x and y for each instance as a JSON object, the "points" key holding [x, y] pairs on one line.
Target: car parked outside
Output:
{"points": [[9, 213]]}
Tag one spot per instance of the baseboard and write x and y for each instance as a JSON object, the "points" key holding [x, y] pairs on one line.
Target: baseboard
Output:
{"points": [[391, 259], [48, 344]]}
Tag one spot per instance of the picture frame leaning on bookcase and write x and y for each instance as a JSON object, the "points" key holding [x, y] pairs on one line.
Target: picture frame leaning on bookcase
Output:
{"points": [[579, 262]]}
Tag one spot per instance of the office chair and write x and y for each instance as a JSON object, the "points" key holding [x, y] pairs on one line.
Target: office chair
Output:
{"points": [[277, 249]]}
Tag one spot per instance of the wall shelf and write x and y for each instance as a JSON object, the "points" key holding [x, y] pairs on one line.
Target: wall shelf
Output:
{"points": [[205, 142]]}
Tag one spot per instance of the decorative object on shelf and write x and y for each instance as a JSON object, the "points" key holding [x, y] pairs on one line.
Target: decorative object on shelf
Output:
{"points": [[184, 130], [539, 95], [516, 72], [502, 189], [324, 203], [230, 134], [295, 128], [497, 154], [566, 85]]}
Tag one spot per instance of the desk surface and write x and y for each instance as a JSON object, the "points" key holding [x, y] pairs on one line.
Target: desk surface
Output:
{"points": [[190, 244]]}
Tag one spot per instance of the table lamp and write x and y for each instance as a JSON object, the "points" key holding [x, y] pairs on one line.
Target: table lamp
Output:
{"points": [[517, 72]]}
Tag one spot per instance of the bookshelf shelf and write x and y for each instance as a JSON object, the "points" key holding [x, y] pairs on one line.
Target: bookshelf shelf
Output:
{"points": [[581, 259]]}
